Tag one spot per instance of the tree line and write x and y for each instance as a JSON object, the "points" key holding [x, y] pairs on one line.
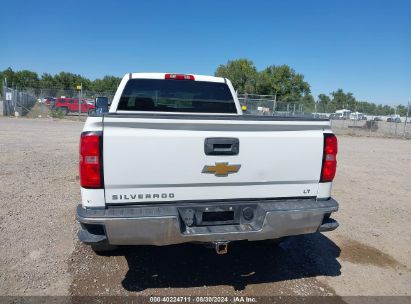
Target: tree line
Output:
{"points": [[287, 85], [281, 81], [26, 79]]}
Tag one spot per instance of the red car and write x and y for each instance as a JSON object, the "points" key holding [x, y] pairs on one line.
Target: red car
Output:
{"points": [[67, 105]]}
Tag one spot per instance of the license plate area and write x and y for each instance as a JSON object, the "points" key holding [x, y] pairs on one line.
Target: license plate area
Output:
{"points": [[217, 217], [196, 216]]}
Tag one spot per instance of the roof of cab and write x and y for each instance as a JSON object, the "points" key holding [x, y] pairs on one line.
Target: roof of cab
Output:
{"points": [[162, 76]]}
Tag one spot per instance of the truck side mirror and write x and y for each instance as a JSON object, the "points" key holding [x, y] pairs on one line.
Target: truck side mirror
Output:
{"points": [[101, 104]]}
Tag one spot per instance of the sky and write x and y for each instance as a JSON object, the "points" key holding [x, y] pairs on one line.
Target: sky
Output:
{"points": [[361, 46]]}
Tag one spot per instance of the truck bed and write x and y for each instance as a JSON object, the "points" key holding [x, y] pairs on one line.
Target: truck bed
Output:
{"points": [[279, 157]]}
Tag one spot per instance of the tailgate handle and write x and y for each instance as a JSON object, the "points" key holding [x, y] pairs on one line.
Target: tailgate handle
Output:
{"points": [[221, 146]]}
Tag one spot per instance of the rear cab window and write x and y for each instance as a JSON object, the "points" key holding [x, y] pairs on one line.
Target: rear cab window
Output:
{"points": [[186, 96]]}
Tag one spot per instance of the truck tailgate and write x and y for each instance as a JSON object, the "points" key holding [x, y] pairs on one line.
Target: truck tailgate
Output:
{"points": [[157, 160]]}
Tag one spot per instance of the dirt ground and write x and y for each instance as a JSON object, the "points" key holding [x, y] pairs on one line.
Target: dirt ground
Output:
{"points": [[369, 254]]}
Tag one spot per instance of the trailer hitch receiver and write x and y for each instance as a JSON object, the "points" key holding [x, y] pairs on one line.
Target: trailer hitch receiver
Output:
{"points": [[221, 247]]}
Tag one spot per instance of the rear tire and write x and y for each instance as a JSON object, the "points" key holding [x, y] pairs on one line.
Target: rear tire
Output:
{"points": [[103, 247]]}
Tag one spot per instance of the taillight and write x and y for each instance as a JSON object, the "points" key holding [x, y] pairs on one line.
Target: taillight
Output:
{"points": [[329, 158], [90, 160], [179, 77]]}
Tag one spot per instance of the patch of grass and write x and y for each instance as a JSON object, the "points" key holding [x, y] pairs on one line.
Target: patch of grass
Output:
{"points": [[57, 113], [39, 110]]}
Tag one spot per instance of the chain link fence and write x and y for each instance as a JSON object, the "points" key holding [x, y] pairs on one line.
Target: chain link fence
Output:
{"points": [[19, 101], [370, 127], [383, 126], [269, 105], [16, 102], [43, 94]]}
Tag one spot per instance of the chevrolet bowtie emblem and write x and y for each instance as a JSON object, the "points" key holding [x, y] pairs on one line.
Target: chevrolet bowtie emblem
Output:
{"points": [[221, 169]]}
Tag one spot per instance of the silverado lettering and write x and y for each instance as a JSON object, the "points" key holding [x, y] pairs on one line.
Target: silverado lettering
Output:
{"points": [[141, 196]]}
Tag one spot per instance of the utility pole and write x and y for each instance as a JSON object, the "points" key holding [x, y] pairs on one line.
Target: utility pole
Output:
{"points": [[80, 93]]}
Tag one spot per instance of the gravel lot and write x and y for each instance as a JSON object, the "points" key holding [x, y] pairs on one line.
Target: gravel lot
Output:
{"points": [[370, 254]]}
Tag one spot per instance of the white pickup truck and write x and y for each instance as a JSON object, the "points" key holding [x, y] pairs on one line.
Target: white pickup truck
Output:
{"points": [[175, 160]]}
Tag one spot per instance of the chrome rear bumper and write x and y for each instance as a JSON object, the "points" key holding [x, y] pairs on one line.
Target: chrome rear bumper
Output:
{"points": [[165, 224]]}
